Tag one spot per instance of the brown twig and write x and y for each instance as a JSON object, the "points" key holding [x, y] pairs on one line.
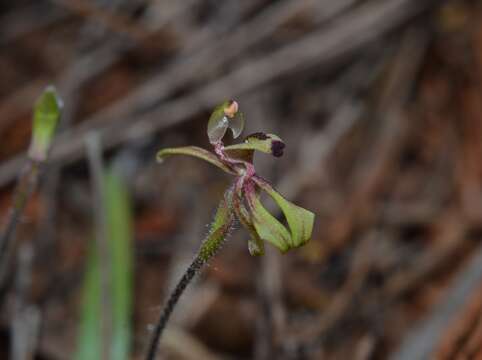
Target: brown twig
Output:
{"points": [[322, 47], [113, 21], [25, 322], [26, 184]]}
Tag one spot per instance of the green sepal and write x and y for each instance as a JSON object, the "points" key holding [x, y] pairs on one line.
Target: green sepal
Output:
{"points": [[196, 152], [267, 143], [219, 123], [46, 115], [220, 227], [267, 226], [300, 220], [255, 243]]}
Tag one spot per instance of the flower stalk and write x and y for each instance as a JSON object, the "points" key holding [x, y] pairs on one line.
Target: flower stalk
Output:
{"points": [[240, 202]]}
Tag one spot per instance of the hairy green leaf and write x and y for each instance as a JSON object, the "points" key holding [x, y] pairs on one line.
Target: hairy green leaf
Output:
{"points": [[300, 220], [220, 227], [196, 152]]}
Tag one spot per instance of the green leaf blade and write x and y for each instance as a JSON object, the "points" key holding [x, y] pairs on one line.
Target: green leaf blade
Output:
{"points": [[220, 227], [89, 345], [120, 230]]}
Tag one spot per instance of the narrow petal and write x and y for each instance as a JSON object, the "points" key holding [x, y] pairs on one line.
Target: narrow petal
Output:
{"points": [[224, 116], [267, 143], [266, 225], [300, 220], [236, 124], [218, 123], [196, 152], [255, 244]]}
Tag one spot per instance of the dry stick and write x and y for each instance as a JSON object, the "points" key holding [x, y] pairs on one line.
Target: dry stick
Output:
{"points": [[423, 338], [195, 58], [195, 61], [11, 28], [25, 322], [195, 266], [322, 47], [26, 183], [271, 319], [96, 167], [389, 139], [114, 21], [342, 301], [451, 246]]}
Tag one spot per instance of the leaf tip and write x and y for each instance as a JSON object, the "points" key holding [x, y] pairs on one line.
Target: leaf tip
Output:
{"points": [[46, 115]]}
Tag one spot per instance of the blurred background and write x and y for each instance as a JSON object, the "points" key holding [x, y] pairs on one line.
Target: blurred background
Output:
{"points": [[380, 106]]}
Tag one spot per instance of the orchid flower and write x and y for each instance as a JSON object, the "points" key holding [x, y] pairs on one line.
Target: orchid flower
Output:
{"points": [[242, 200]]}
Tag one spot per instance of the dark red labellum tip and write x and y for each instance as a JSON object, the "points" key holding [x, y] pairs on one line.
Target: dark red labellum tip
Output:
{"points": [[277, 148]]}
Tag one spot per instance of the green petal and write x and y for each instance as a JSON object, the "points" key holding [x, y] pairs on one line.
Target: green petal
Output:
{"points": [[255, 244], [300, 220], [219, 122], [267, 143], [46, 115], [196, 152], [266, 225], [236, 124], [220, 227]]}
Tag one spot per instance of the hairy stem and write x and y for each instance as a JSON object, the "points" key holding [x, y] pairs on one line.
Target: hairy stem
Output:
{"points": [[191, 271], [220, 228]]}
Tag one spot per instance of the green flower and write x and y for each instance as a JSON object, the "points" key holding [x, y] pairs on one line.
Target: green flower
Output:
{"points": [[242, 200]]}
